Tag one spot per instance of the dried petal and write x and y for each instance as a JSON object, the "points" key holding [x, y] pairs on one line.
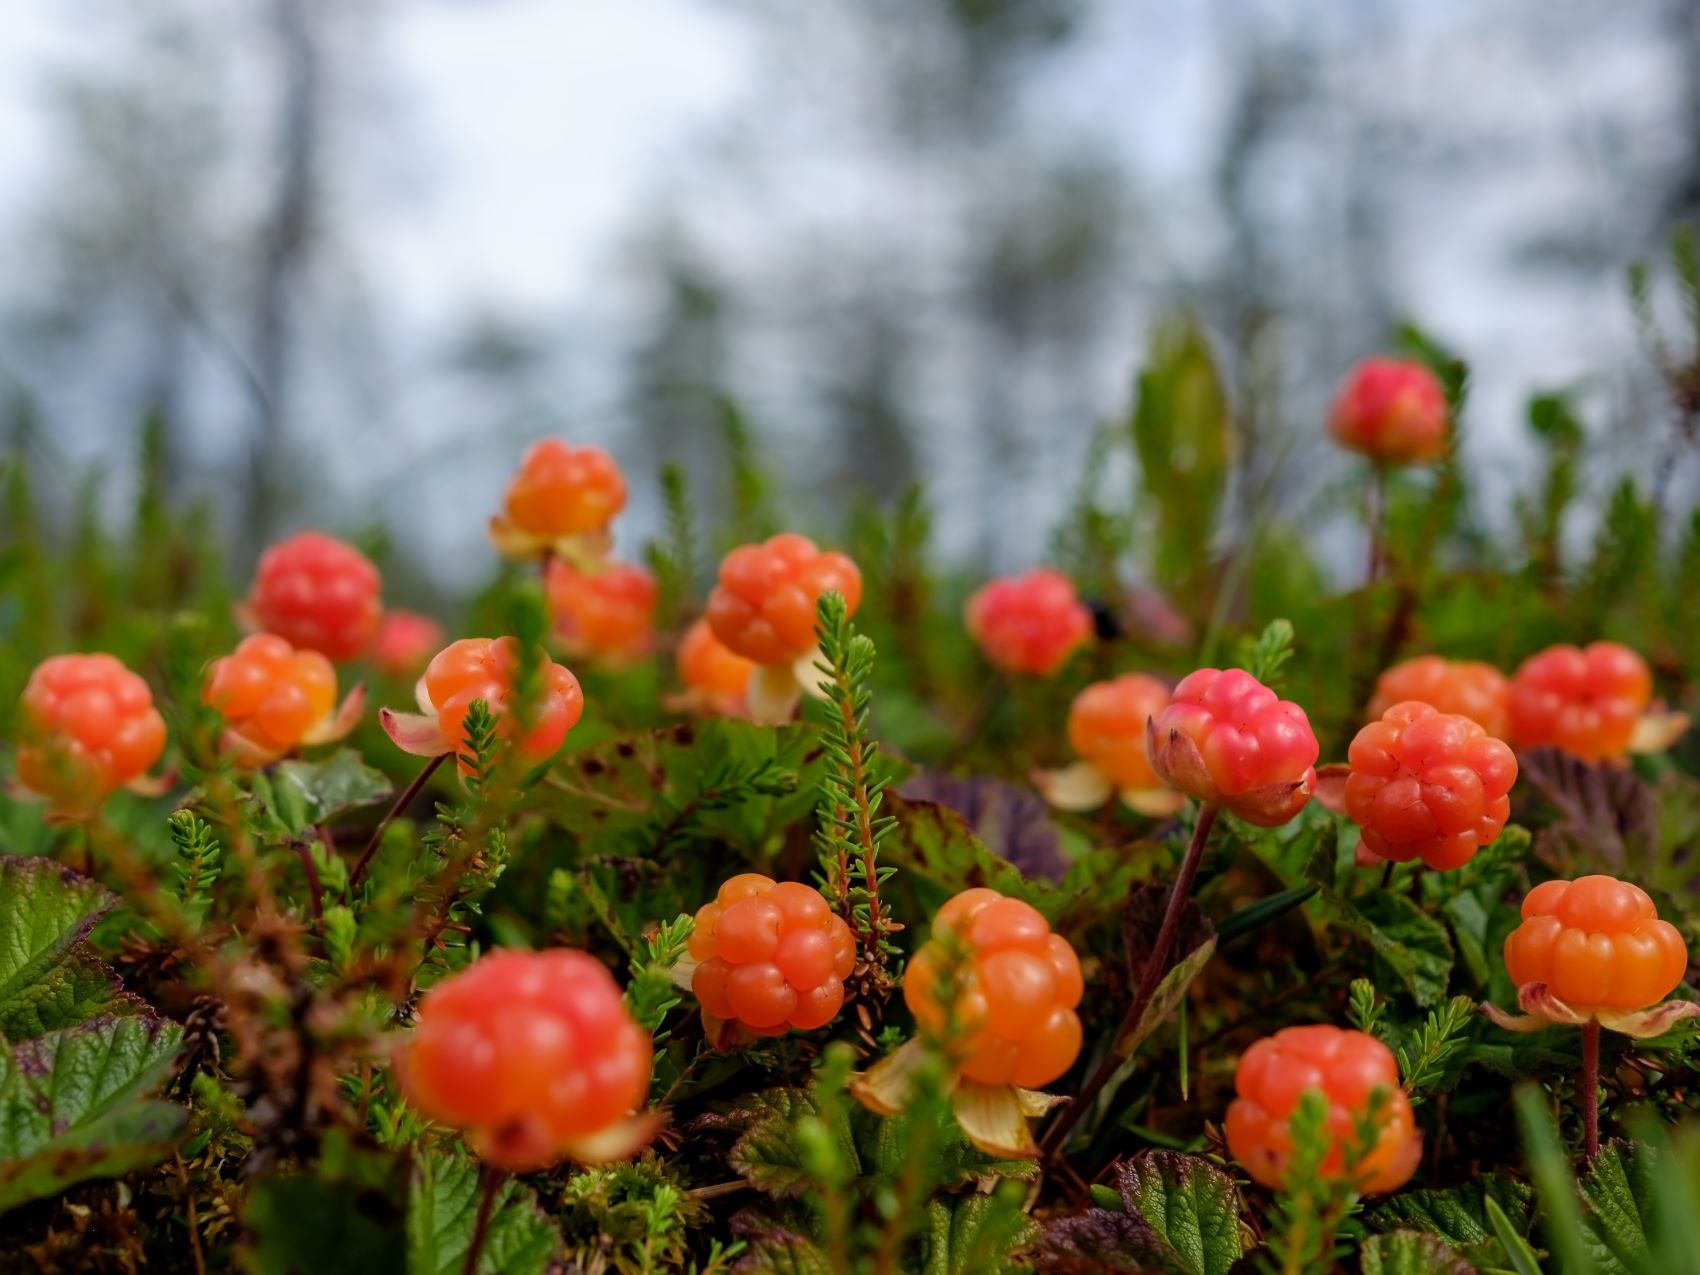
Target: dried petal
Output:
{"points": [[413, 732]]}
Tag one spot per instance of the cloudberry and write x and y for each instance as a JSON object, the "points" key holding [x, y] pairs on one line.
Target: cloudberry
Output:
{"points": [[1030, 623], [1596, 943], [608, 613], [1428, 785], [405, 643], [1228, 740], [475, 669], [319, 594], [274, 699], [1107, 730], [716, 677], [1584, 700], [561, 501], [535, 1056], [1392, 410], [1017, 985], [88, 728], [772, 956], [764, 606], [1347, 1068], [1469, 688]]}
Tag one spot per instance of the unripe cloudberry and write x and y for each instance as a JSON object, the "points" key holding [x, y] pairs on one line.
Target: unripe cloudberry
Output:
{"points": [[1583, 700], [1428, 785], [1469, 688], [474, 669], [607, 613], [1347, 1068], [1392, 410], [405, 643], [772, 956], [1230, 741], [764, 606], [89, 727], [1029, 624], [1016, 988], [319, 594], [562, 499], [716, 678], [274, 699], [535, 1056]]}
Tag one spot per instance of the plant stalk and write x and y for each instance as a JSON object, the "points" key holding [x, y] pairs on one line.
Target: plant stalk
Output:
{"points": [[1155, 966], [1591, 1088], [400, 804], [489, 1183]]}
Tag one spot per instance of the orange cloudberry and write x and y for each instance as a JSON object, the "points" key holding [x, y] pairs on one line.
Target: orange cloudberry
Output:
{"points": [[607, 613], [1470, 688], [319, 594], [1392, 410], [1583, 700], [561, 502], [1029, 624], [88, 727], [274, 699]]}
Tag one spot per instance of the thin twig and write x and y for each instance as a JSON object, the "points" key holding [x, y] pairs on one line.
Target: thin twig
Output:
{"points": [[400, 804], [1591, 1087], [489, 1183], [1156, 964]]}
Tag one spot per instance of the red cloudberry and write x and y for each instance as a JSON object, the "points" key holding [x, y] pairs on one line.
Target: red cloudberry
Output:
{"points": [[1016, 988], [1393, 411], [1230, 741], [772, 956], [1469, 688], [1428, 785], [561, 502], [88, 728], [1030, 623], [317, 593], [764, 606], [716, 677], [607, 614], [475, 669], [1584, 700], [1596, 943], [535, 1056], [1347, 1068], [274, 699], [405, 643]]}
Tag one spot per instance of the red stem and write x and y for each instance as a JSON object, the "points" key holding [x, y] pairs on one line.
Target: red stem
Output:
{"points": [[1156, 964], [1591, 1087], [489, 1182], [400, 804]]}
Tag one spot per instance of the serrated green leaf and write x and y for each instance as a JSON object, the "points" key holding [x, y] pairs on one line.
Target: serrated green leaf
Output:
{"points": [[1613, 1189], [1457, 1215], [322, 790], [1192, 1207], [1411, 1253], [348, 1218], [72, 1108], [784, 1253], [976, 1235], [767, 1155], [49, 978], [1409, 943], [442, 1208]]}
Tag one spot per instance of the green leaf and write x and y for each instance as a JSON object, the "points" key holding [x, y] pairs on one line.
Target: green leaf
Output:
{"points": [[334, 786], [48, 976], [767, 1154], [1459, 1216], [347, 1218], [72, 1107], [1190, 1205], [1412, 945], [934, 847], [976, 1235], [1411, 1253], [1181, 431], [784, 1253], [442, 1208], [1613, 1189], [1190, 950]]}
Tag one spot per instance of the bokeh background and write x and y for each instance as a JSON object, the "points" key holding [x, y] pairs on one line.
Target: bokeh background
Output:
{"points": [[350, 255]]}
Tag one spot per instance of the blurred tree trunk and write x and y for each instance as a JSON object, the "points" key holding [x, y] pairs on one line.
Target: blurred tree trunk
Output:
{"points": [[285, 248]]}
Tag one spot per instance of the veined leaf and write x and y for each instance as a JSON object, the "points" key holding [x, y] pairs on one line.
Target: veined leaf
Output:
{"points": [[48, 976], [1411, 1253], [72, 1105], [976, 1235], [442, 1208], [340, 783]]}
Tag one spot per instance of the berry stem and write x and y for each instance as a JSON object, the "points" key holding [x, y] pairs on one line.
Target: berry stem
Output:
{"points": [[1591, 1087], [489, 1183], [315, 889], [1377, 517], [1156, 964], [400, 804]]}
